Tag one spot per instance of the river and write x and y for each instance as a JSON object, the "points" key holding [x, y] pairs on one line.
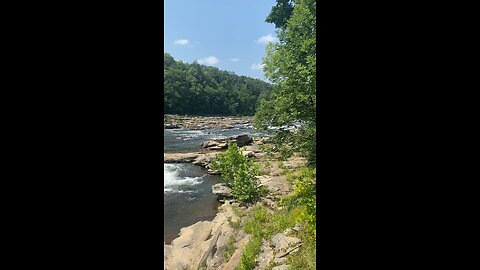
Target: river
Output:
{"points": [[187, 187]]}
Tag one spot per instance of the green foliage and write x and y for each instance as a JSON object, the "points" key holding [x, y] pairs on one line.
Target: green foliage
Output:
{"points": [[249, 255], [229, 248], [304, 197], [305, 258], [239, 173], [263, 225], [235, 225], [280, 13], [239, 213], [203, 90], [291, 65], [263, 171]]}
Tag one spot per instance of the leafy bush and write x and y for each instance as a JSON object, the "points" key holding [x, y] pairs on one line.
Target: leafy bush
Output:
{"points": [[239, 173], [305, 195]]}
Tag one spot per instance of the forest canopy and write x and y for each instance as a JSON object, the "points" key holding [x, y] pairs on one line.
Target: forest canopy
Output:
{"points": [[196, 89]]}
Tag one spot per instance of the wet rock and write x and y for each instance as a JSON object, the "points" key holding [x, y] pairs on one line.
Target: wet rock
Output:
{"points": [[213, 172]]}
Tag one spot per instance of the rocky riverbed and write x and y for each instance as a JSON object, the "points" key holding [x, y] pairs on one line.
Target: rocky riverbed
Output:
{"points": [[203, 122]]}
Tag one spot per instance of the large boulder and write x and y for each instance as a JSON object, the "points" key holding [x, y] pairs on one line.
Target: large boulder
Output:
{"points": [[243, 140]]}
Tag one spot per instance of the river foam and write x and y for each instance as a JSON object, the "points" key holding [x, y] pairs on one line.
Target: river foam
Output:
{"points": [[175, 180]]}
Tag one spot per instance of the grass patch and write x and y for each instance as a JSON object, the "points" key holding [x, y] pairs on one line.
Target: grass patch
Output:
{"points": [[236, 224], [263, 171], [236, 210], [249, 255], [305, 258], [263, 225], [229, 248]]}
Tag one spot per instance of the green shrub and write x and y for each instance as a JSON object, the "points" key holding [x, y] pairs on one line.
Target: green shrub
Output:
{"points": [[239, 173], [305, 195]]}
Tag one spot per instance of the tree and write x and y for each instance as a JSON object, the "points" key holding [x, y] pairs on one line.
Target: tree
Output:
{"points": [[291, 65], [239, 173], [280, 13], [202, 90]]}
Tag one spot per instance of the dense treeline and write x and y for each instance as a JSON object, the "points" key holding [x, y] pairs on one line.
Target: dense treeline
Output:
{"points": [[196, 89]]}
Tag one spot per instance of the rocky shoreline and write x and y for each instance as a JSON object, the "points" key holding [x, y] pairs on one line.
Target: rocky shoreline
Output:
{"points": [[211, 148], [203, 244], [204, 122]]}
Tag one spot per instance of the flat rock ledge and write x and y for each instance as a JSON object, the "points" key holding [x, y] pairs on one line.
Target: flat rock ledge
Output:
{"points": [[180, 157], [203, 244], [197, 158]]}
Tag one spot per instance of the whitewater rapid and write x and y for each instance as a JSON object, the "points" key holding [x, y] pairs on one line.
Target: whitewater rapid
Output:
{"points": [[175, 180]]}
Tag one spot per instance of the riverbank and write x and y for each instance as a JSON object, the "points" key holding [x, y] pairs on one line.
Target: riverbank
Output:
{"points": [[220, 243]]}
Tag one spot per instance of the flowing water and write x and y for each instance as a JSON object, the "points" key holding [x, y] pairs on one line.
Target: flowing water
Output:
{"points": [[187, 189]]}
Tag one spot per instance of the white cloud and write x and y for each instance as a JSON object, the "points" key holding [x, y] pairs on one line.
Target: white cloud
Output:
{"points": [[181, 42], [257, 66], [211, 60], [267, 39], [235, 59]]}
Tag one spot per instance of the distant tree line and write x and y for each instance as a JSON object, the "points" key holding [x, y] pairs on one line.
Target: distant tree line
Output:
{"points": [[196, 89]]}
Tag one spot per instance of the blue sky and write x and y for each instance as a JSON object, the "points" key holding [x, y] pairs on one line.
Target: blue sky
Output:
{"points": [[228, 34]]}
